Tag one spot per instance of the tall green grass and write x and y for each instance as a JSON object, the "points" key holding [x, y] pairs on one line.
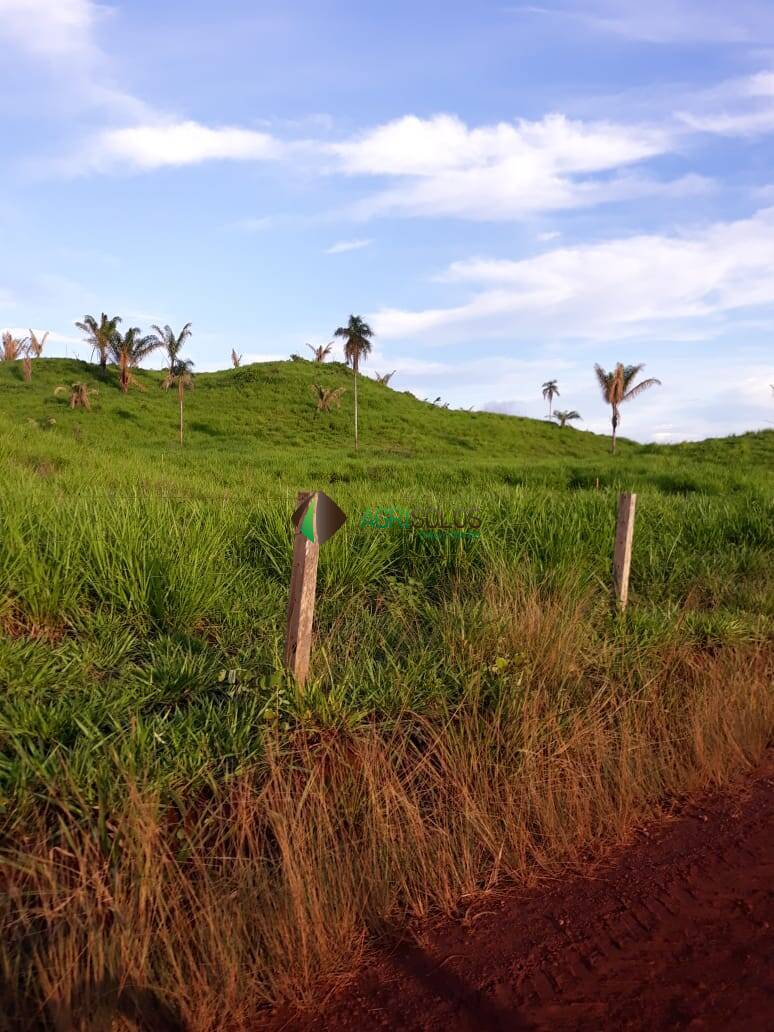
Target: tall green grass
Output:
{"points": [[123, 614]]}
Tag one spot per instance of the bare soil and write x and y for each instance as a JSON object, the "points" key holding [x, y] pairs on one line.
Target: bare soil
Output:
{"points": [[674, 932]]}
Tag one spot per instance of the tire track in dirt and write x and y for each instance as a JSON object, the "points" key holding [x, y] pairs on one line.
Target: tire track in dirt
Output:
{"points": [[676, 932]]}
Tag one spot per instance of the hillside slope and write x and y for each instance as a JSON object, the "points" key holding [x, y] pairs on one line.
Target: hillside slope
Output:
{"points": [[271, 402], [264, 416]]}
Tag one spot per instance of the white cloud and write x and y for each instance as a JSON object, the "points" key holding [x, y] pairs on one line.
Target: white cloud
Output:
{"points": [[62, 37], [743, 123], [668, 21], [761, 84], [443, 167], [499, 171], [52, 28], [347, 245], [737, 107], [425, 147], [510, 190], [631, 286], [183, 143]]}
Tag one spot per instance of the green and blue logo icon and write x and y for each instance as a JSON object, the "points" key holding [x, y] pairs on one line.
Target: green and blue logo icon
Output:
{"points": [[318, 518]]}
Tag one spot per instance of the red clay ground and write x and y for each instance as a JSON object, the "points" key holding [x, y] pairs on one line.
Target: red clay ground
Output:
{"points": [[676, 932]]}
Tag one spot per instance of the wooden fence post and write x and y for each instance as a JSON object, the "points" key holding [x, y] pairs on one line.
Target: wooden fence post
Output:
{"points": [[303, 587], [622, 558]]}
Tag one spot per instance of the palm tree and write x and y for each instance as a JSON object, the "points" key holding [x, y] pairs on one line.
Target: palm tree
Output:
{"points": [[236, 360], [357, 336], [36, 344], [385, 378], [617, 387], [13, 347], [564, 417], [172, 344], [321, 353], [179, 374], [128, 350], [100, 335], [550, 391], [327, 397], [80, 393], [27, 366]]}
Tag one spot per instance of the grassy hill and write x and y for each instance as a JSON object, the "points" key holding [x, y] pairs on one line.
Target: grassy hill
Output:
{"points": [[270, 405], [262, 418]]}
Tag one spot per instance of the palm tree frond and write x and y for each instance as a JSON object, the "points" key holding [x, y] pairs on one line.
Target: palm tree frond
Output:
{"points": [[629, 373], [643, 386], [604, 378]]}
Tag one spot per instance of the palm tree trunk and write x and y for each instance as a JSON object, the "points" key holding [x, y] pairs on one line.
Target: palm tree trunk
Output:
{"points": [[615, 425], [550, 405], [354, 369]]}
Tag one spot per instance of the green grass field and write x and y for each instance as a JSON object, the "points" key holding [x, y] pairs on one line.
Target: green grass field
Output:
{"points": [[132, 572], [142, 607]]}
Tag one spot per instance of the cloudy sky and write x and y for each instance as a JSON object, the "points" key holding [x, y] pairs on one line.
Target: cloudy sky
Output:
{"points": [[508, 192]]}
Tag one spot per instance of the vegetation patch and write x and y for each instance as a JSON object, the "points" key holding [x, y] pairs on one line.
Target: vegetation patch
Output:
{"points": [[476, 711]]}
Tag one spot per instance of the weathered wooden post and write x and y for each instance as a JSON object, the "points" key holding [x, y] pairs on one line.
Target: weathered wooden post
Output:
{"points": [[303, 588], [622, 557], [316, 518]]}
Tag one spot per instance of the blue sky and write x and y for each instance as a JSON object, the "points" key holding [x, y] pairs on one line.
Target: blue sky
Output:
{"points": [[508, 192]]}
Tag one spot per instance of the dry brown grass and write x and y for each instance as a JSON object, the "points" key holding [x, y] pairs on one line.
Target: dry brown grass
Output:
{"points": [[12, 347], [200, 915]]}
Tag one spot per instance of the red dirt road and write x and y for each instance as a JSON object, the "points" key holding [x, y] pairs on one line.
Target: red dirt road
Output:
{"points": [[676, 932]]}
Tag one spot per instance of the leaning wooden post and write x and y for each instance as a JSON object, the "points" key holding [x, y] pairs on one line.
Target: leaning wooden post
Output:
{"points": [[303, 587], [622, 558]]}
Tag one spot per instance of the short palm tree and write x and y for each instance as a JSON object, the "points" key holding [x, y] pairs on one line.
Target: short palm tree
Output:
{"points": [[563, 418], [37, 343], [180, 375], [172, 344], [384, 378], [100, 335], [327, 397], [13, 347], [128, 350], [236, 360], [550, 391], [321, 352], [357, 336], [80, 394], [618, 386]]}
